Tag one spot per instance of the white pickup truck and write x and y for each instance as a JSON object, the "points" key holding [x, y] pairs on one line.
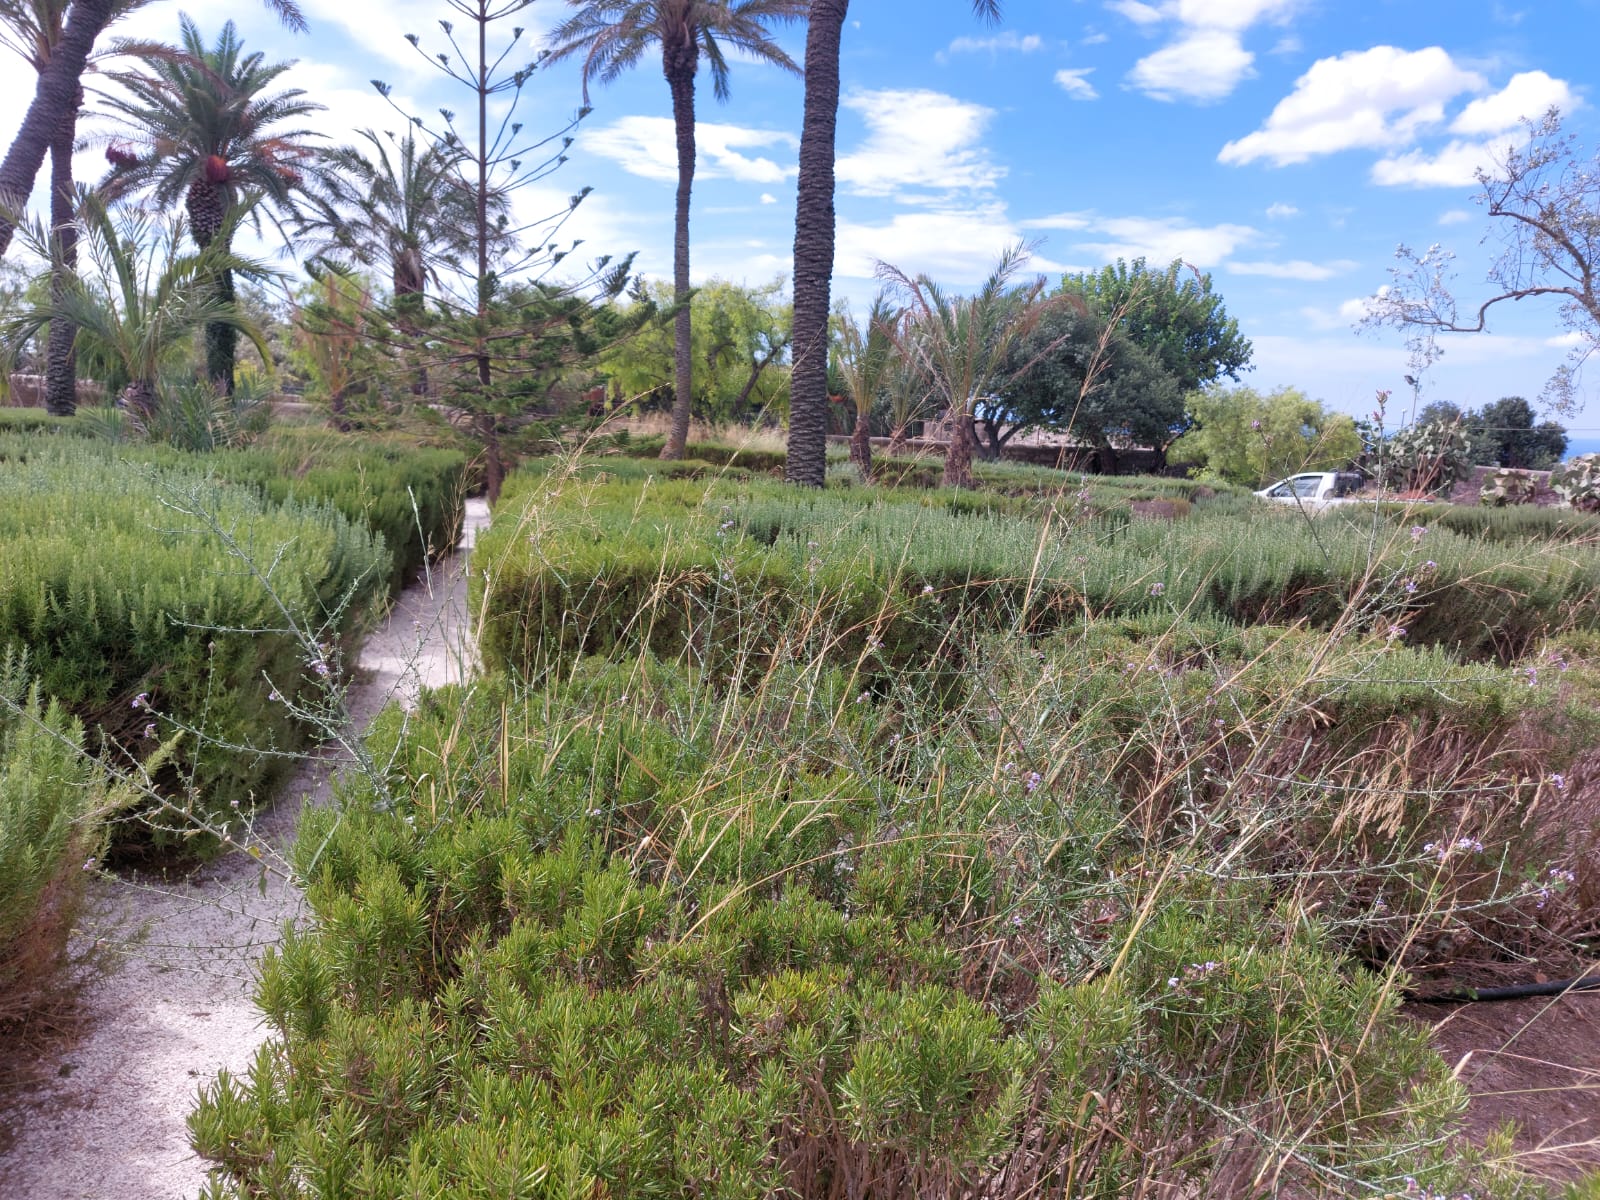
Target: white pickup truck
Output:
{"points": [[1314, 489]]}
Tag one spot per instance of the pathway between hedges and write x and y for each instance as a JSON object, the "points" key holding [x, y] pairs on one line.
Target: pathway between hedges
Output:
{"points": [[108, 1120]]}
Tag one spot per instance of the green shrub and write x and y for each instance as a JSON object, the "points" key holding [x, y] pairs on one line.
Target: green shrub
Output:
{"points": [[413, 497], [141, 596], [726, 569], [53, 802], [634, 935]]}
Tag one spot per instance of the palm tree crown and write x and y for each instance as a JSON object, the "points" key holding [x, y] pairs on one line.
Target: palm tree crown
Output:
{"points": [[613, 36], [402, 206], [208, 131]]}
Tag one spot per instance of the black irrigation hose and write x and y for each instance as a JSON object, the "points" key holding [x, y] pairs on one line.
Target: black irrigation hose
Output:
{"points": [[1515, 991]]}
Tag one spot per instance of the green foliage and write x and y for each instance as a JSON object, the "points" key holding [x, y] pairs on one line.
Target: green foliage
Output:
{"points": [[632, 935], [738, 339], [165, 639], [1079, 370], [1246, 438], [1179, 321], [53, 804], [1577, 481], [707, 567], [1504, 433], [1507, 486], [1426, 458]]}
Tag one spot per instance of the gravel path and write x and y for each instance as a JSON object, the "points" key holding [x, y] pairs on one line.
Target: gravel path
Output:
{"points": [[109, 1122]]}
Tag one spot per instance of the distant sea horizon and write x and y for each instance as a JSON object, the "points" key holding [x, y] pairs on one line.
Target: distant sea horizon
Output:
{"points": [[1582, 445]]}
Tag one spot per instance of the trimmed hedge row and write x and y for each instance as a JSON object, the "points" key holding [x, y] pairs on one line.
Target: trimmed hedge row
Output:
{"points": [[140, 596], [631, 936], [413, 497], [726, 569]]}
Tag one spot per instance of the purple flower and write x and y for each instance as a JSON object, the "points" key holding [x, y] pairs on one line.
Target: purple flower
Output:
{"points": [[1410, 586], [1255, 424], [1032, 781], [150, 730], [1157, 588], [1559, 782], [273, 696], [142, 700], [1396, 631]]}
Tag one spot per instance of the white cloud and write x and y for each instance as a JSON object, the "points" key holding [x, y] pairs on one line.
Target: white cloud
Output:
{"points": [[1528, 96], [954, 247], [1298, 268], [1378, 98], [1136, 11], [1568, 340], [1457, 165], [920, 145], [1281, 212], [1009, 41], [768, 198], [1455, 216], [1157, 239], [1206, 60], [1075, 83], [1204, 65], [647, 146], [1229, 14]]}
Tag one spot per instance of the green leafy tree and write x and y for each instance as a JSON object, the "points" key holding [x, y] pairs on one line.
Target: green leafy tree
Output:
{"points": [[1245, 437], [1078, 372], [1171, 314], [611, 37], [1504, 433], [814, 235], [738, 336], [206, 130]]}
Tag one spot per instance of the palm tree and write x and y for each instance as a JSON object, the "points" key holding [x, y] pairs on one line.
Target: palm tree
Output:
{"points": [[864, 357], [964, 341], [57, 91], [33, 30], [409, 212], [612, 36], [206, 131], [141, 304], [814, 237]]}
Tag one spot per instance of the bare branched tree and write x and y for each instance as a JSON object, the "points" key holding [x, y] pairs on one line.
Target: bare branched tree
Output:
{"points": [[1543, 203]]}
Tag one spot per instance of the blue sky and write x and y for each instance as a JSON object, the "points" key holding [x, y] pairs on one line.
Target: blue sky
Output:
{"points": [[1285, 146]]}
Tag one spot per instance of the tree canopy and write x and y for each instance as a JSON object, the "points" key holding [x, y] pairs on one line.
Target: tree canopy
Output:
{"points": [[1171, 314], [1248, 438]]}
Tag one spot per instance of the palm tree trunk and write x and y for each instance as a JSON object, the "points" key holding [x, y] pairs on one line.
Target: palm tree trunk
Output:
{"points": [[897, 442], [57, 87], [813, 248], [206, 206], [679, 62], [958, 458], [861, 447], [61, 360]]}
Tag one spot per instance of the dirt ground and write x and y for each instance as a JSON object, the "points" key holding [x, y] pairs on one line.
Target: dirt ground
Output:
{"points": [[1535, 1062], [103, 1115]]}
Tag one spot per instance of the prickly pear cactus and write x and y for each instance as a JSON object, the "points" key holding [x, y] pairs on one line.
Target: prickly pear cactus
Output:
{"points": [[1427, 458], [1507, 486], [1577, 481]]}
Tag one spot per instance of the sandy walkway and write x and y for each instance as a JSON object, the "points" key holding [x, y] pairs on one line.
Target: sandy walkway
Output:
{"points": [[110, 1121]]}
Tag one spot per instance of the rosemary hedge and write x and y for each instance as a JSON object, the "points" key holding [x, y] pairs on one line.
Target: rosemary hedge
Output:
{"points": [[175, 613], [53, 803], [577, 565], [634, 935]]}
